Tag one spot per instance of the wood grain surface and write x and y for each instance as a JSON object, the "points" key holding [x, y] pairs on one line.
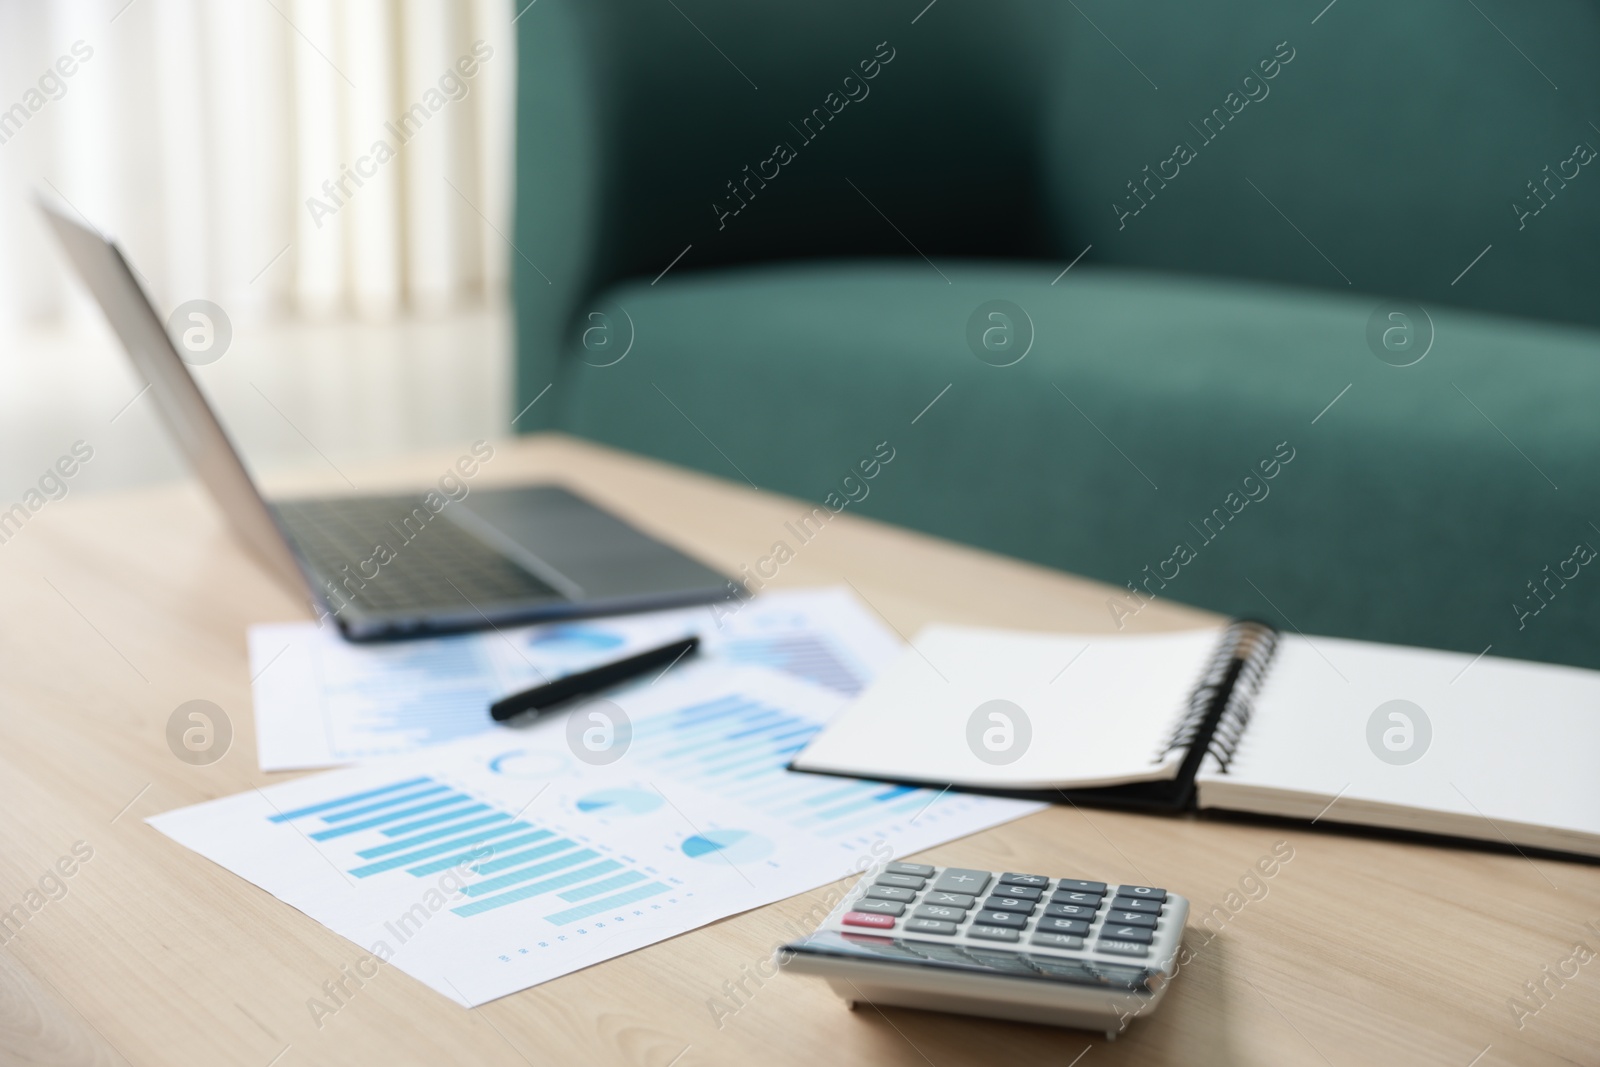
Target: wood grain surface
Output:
{"points": [[115, 609]]}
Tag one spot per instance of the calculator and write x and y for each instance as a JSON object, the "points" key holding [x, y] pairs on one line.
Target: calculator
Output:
{"points": [[1060, 951]]}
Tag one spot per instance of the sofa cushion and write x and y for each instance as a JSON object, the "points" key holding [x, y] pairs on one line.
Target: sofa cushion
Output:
{"points": [[1231, 445]]}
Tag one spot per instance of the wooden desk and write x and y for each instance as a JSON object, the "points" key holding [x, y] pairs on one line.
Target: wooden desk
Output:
{"points": [[118, 608]]}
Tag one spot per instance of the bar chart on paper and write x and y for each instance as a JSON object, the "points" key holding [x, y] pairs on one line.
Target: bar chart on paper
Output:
{"points": [[737, 746], [504, 860], [421, 827]]}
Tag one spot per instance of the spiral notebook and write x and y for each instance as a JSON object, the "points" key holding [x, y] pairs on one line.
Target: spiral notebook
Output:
{"points": [[1240, 718]]}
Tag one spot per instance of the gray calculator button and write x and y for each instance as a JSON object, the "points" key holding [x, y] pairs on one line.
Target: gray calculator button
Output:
{"points": [[1024, 907], [1141, 891], [1130, 918], [1135, 904], [1119, 932], [1001, 918], [889, 892], [903, 881], [1062, 926], [961, 880], [1071, 911], [1089, 900], [1121, 948], [1021, 892], [1038, 880], [953, 900], [921, 870], [882, 907], [936, 911], [1049, 940], [1077, 885], [993, 933], [929, 926]]}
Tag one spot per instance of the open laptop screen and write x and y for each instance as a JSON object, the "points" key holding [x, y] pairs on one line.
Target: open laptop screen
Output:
{"points": [[178, 398]]}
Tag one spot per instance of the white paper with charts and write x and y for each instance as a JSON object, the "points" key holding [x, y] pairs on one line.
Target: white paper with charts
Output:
{"points": [[321, 701], [504, 860]]}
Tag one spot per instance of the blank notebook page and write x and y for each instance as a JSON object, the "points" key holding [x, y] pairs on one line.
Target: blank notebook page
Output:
{"points": [[1511, 742], [1099, 709]]}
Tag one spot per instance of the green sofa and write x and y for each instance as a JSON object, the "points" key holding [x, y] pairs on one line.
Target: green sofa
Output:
{"points": [[1283, 310]]}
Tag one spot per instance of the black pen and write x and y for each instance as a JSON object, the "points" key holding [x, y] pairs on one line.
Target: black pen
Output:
{"points": [[593, 680]]}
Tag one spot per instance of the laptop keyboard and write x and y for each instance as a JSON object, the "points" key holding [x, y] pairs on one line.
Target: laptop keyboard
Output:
{"points": [[435, 564]]}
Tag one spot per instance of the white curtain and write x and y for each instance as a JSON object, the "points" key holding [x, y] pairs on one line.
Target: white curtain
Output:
{"points": [[278, 157]]}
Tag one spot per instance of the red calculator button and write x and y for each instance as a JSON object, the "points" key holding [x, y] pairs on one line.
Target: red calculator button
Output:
{"points": [[866, 918]]}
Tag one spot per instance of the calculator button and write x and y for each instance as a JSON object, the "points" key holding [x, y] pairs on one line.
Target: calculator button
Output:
{"points": [[993, 933], [1062, 926], [1143, 891], [889, 892], [1135, 904], [1021, 892], [953, 900], [1121, 948], [1024, 907], [920, 870], [1049, 940], [861, 918], [1126, 933], [1037, 880], [1088, 900], [929, 926], [881, 907], [1071, 911], [936, 911], [957, 880], [902, 881], [1078, 886], [1001, 918], [1130, 918]]}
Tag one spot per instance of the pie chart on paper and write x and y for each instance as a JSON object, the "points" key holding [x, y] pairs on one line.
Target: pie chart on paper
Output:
{"points": [[728, 846], [520, 763], [619, 802]]}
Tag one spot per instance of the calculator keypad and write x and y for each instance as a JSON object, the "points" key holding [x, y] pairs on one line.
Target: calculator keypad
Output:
{"points": [[1031, 910]]}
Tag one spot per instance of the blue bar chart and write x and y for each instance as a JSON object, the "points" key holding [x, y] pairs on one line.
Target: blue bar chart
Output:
{"points": [[513, 859], [738, 747]]}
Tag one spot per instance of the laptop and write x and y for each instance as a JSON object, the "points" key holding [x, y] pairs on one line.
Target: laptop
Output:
{"points": [[406, 565]]}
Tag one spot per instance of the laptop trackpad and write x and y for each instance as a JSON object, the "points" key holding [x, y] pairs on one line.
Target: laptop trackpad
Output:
{"points": [[586, 553]]}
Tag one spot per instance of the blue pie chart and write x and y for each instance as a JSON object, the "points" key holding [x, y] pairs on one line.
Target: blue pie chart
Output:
{"points": [[728, 846], [520, 763], [620, 802]]}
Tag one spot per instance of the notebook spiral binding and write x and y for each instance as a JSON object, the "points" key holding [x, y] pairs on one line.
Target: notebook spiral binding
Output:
{"points": [[1252, 645]]}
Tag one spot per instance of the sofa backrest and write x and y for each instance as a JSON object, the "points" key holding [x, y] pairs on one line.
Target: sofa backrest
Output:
{"points": [[739, 128], [1376, 147], [1433, 150]]}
